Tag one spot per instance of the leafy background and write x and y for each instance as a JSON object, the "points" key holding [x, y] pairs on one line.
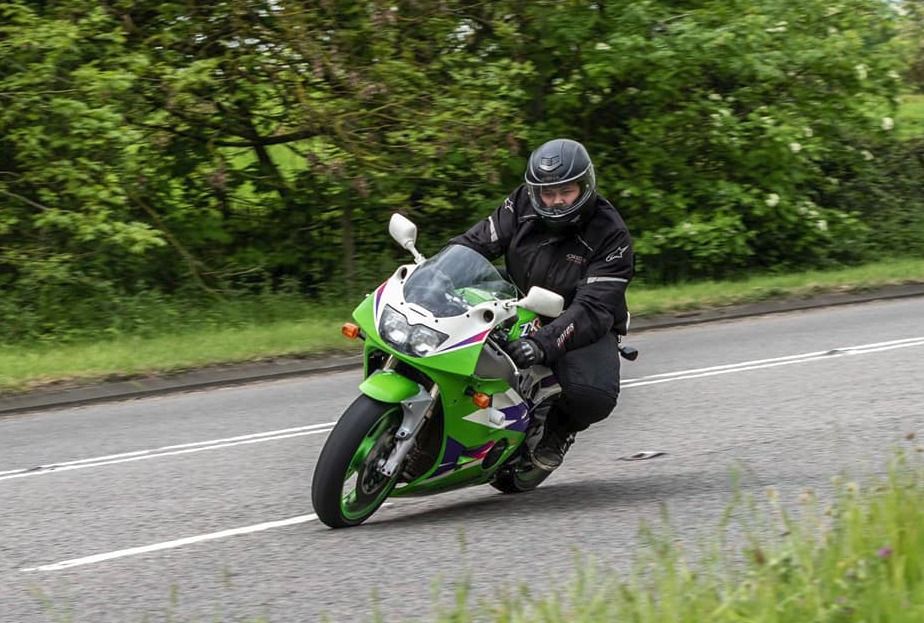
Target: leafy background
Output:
{"points": [[167, 157]]}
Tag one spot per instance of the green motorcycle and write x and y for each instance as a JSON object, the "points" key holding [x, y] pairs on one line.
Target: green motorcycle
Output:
{"points": [[442, 404]]}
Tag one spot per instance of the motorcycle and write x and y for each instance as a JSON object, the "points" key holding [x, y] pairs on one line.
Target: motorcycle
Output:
{"points": [[442, 405]]}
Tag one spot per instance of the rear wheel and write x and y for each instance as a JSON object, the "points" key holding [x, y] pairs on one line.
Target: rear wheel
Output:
{"points": [[347, 487], [520, 477]]}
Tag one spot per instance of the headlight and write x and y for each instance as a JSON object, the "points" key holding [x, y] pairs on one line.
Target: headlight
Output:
{"points": [[411, 339], [425, 340], [394, 327]]}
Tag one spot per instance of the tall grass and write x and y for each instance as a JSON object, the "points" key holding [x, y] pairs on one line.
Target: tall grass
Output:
{"points": [[858, 559]]}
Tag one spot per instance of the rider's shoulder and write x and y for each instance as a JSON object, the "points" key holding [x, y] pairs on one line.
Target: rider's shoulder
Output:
{"points": [[606, 219], [519, 204]]}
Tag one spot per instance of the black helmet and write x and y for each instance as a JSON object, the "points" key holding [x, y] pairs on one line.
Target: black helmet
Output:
{"points": [[555, 164]]}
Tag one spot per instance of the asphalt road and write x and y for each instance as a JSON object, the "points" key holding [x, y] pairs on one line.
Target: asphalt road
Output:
{"points": [[137, 519]]}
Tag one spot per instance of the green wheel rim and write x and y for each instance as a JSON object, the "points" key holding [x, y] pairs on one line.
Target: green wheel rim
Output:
{"points": [[364, 486]]}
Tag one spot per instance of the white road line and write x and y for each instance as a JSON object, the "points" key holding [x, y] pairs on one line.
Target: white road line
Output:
{"points": [[286, 433], [769, 363], [272, 435], [144, 455], [281, 431], [914, 341], [156, 547]]}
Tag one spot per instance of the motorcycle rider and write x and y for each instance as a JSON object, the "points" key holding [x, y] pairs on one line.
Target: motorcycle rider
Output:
{"points": [[556, 232]]}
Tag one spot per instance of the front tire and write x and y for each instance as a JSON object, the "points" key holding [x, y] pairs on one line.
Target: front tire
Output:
{"points": [[347, 487]]}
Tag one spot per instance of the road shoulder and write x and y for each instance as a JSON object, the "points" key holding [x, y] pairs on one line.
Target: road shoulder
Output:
{"points": [[59, 396]]}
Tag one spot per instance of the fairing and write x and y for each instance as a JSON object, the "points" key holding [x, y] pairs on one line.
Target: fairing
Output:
{"points": [[469, 433]]}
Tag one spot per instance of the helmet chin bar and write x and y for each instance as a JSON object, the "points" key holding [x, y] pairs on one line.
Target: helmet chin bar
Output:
{"points": [[565, 213], [556, 209]]}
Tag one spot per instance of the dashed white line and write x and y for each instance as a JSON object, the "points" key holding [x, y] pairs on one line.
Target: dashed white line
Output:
{"points": [[185, 448]]}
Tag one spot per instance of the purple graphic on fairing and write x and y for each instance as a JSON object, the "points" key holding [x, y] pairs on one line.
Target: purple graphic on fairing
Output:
{"points": [[520, 414], [471, 340], [519, 417], [455, 451], [378, 297]]}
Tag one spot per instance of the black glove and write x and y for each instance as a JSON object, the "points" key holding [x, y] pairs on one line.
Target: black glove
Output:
{"points": [[525, 353]]}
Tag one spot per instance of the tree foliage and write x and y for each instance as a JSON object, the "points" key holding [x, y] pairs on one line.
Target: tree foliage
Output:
{"points": [[254, 144]]}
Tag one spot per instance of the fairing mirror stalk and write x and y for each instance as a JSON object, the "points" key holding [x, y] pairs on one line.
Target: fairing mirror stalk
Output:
{"points": [[404, 233]]}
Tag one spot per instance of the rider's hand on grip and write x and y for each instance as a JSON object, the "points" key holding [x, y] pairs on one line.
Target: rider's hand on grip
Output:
{"points": [[525, 353]]}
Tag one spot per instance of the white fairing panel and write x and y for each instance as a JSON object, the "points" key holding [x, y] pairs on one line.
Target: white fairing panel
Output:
{"points": [[469, 328]]}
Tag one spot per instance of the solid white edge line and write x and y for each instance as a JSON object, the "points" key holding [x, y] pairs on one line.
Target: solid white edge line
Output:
{"points": [[808, 356], [156, 547], [643, 380]]}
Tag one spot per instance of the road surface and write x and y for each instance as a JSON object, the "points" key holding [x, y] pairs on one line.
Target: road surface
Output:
{"points": [[196, 506]]}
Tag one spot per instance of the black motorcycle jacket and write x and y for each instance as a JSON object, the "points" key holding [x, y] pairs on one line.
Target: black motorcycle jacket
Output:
{"points": [[590, 267]]}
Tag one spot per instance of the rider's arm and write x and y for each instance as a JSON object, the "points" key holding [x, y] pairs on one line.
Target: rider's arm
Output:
{"points": [[491, 236], [599, 301]]}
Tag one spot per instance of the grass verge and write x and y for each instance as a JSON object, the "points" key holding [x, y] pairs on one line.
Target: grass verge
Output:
{"points": [[308, 329], [127, 356], [647, 301], [859, 559]]}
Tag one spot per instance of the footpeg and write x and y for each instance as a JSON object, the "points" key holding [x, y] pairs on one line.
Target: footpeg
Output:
{"points": [[628, 352]]}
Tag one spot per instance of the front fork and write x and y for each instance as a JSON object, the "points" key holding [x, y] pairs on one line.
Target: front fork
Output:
{"points": [[417, 410]]}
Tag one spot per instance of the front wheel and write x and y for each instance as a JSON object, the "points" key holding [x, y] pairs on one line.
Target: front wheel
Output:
{"points": [[347, 488]]}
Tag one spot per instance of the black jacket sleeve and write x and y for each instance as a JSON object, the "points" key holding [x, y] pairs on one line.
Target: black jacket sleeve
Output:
{"points": [[599, 303], [491, 236]]}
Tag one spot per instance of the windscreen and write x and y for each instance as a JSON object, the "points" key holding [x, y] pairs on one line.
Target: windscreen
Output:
{"points": [[455, 280]]}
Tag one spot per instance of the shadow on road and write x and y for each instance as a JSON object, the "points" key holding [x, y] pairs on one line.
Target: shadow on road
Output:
{"points": [[623, 491]]}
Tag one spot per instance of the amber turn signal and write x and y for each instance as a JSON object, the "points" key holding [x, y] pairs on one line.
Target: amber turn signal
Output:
{"points": [[350, 330], [482, 401]]}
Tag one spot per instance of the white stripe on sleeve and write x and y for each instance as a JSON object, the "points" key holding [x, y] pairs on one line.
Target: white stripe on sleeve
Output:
{"points": [[601, 279]]}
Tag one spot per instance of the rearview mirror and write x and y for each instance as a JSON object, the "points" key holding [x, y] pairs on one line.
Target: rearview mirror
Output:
{"points": [[402, 230], [404, 233], [543, 302]]}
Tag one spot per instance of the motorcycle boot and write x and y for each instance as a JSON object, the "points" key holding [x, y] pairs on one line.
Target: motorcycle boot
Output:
{"points": [[556, 440]]}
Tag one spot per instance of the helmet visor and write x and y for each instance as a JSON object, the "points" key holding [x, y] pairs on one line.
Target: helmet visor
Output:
{"points": [[561, 199]]}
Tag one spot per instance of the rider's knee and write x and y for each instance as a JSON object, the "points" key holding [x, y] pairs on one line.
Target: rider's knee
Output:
{"points": [[588, 405]]}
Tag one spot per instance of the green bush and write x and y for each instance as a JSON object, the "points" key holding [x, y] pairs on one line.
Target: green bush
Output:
{"points": [[717, 125], [177, 148]]}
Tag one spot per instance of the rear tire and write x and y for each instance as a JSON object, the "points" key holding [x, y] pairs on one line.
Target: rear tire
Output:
{"points": [[510, 479], [347, 487]]}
